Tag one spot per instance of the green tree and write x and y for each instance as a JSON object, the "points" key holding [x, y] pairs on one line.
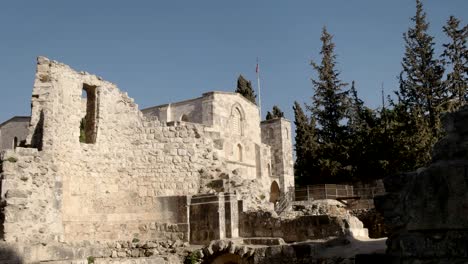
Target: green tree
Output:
{"points": [[329, 103], [329, 107], [360, 117], [455, 56], [275, 113], [305, 166], [244, 87], [421, 88], [364, 161]]}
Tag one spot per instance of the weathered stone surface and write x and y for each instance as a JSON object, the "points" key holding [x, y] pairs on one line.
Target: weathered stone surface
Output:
{"points": [[334, 251], [427, 209], [320, 220], [95, 169]]}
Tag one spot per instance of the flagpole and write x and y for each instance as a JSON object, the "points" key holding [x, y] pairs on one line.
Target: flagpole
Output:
{"points": [[259, 91]]}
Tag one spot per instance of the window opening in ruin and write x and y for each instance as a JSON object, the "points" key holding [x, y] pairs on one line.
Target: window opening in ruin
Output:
{"points": [[269, 170], [36, 140], [236, 121], [88, 125], [239, 152], [286, 132], [274, 192], [184, 118], [15, 142]]}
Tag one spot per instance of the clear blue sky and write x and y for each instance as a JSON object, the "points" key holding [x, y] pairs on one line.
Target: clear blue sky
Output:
{"points": [[163, 51]]}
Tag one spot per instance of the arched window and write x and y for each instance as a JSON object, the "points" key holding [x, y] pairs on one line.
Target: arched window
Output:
{"points": [[236, 121], [184, 118], [269, 170], [286, 132]]}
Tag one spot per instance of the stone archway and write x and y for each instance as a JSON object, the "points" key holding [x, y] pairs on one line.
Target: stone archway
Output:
{"points": [[226, 252], [184, 118], [274, 192]]}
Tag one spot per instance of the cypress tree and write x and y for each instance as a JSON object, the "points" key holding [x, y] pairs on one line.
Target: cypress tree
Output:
{"points": [[329, 106], [244, 87], [360, 118], [421, 89], [305, 166], [455, 56], [364, 158], [276, 113]]}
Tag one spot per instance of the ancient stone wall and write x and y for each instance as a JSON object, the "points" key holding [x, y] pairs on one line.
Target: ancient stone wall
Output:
{"points": [[85, 190], [262, 224], [232, 122], [213, 217], [426, 210], [31, 194]]}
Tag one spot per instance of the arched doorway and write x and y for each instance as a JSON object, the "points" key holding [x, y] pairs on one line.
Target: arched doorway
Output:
{"points": [[184, 118], [274, 192]]}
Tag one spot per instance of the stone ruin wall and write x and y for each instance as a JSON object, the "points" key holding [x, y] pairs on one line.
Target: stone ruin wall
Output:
{"points": [[426, 210], [302, 228], [72, 191]]}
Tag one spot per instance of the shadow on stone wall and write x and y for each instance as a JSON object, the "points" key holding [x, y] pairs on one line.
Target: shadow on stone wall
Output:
{"points": [[334, 251], [36, 141], [373, 221], [9, 256], [2, 217]]}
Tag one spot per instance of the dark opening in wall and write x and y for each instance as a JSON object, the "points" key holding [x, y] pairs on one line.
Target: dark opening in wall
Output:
{"points": [[274, 192], [15, 142], [88, 125], [38, 134], [184, 118]]}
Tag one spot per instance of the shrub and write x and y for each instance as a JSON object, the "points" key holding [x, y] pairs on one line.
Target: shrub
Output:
{"points": [[192, 258], [12, 159]]}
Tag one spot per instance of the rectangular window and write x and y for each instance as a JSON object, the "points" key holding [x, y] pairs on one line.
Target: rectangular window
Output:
{"points": [[88, 125]]}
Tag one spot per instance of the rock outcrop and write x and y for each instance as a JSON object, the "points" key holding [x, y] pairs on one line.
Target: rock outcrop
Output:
{"points": [[427, 210]]}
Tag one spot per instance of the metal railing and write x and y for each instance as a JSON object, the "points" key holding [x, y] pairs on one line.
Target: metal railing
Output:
{"points": [[369, 192], [323, 191], [335, 191], [284, 201]]}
